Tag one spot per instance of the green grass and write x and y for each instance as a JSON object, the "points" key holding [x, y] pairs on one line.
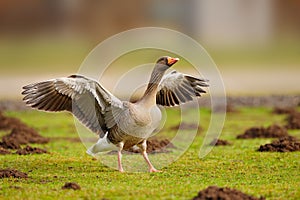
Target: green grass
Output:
{"points": [[240, 166]]}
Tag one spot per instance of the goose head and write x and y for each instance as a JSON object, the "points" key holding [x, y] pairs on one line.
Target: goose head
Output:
{"points": [[165, 62]]}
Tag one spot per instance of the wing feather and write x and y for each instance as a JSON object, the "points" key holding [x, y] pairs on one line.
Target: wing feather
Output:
{"points": [[176, 88], [93, 105]]}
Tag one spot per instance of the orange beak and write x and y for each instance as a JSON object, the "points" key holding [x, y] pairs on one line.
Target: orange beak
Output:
{"points": [[172, 61]]}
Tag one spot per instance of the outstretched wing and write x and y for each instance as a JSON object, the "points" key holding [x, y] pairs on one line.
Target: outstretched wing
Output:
{"points": [[94, 106], [176, 88]]}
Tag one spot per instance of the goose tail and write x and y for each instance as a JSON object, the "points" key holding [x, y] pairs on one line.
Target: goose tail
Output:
{"points": [[102, 145]]}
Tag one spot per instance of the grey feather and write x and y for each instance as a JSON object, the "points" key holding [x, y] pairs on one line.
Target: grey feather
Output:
{"points": [[176, 88], [93, 105]]}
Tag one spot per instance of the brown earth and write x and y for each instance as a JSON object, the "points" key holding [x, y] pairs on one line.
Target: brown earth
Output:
{"points": [[8, 143], [273, 131], [216, 193], [283, 110], [284, 144], [6, 173], [4, 151], [158, 146], [71, 185], [20, 134], [30, 150], [154, 145], [219, 142], [293, 121], [8, 123]]}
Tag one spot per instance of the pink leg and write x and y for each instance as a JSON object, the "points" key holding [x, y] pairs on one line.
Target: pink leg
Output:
{"points": [[151, 167], [143, 147], [120, 162], [120, 157]]}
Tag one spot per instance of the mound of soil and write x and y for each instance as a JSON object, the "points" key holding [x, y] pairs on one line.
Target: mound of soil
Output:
{"points": [[284, 144], [159, 146], [8, 123], [216, 193], [71, 185], [273, 131], [30, 150], [6, 173], [154, 145], [22, 135], [9, 143], [219, 142], [293, 121], [19, 135], [4, 151], [283, 110]]}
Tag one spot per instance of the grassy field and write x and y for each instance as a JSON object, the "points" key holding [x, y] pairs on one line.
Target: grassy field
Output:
{"points": [[240, 166]]}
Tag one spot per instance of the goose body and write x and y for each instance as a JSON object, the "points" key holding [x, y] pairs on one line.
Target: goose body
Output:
{"points": [[136, 125], [119, 124]]}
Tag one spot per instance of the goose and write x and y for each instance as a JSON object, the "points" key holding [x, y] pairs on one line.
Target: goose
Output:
{"points": [[119, 124]]}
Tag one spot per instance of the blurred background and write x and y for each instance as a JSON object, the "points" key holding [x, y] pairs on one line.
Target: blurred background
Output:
{"points": [[255, 44]]}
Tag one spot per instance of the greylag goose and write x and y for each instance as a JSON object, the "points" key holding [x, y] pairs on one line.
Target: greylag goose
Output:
{"points": [[119, 124]]}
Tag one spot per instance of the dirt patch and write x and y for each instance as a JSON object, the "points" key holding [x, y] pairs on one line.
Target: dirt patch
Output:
{"points": [[30, 150], [273, 131], [293, 121], [159, 146], [219, 142], [9, 143], [283, 110], [4, 151], [284, 144], [8, 123], [216, 193], [6, 173], [22, 135], [71, 185], [154, 145]]}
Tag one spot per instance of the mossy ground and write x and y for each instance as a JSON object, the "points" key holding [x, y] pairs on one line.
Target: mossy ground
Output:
{"points": [[240, 166]]}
